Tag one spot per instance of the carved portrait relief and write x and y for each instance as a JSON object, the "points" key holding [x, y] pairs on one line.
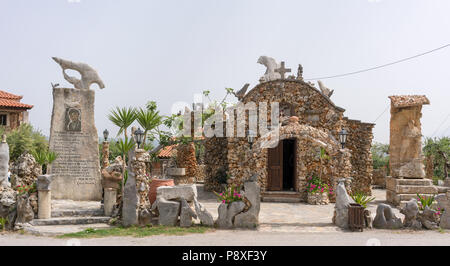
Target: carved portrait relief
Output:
{"points": [[73, 119]]}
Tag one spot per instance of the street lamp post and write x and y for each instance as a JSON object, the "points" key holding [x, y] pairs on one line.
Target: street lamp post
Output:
{"points": [[138, 137]]}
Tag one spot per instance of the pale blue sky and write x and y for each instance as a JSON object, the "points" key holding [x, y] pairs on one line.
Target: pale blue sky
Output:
{"points": [[168, 50]]}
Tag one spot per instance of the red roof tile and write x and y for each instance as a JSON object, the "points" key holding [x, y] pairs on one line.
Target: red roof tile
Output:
{"points": [[14, 104], [167, 152], [9, 96]]}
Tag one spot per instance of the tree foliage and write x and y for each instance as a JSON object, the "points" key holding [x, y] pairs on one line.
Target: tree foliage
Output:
{"points": [[24, 138], [380, 155], [439, 149]]}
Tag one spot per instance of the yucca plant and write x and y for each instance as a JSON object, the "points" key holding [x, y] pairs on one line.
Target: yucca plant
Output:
{"points": [[44, 158], [122, 118], [149, 119], [361, 198]]}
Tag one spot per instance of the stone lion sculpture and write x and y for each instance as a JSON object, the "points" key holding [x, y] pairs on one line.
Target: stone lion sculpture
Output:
{"points": [[271, 65], [88, 74]]}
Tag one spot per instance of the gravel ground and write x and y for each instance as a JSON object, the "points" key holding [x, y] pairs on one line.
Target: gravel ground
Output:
{"points": [[282, 224]]}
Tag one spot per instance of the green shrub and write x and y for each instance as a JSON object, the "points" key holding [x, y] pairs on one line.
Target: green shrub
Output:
{"points": [[24, 138]]}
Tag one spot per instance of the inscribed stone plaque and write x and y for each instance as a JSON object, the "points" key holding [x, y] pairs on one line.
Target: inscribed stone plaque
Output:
{"points": [[73, 136]]}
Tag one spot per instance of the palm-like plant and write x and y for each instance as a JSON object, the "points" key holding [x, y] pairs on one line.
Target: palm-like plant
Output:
{"points": [[149, 119], [361, 198], [122, 118], [125, 145], [44, 158]]}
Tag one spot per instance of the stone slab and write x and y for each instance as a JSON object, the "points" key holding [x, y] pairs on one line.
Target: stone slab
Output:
{"points": [[71, 220], [188, 192], [73, 136]]}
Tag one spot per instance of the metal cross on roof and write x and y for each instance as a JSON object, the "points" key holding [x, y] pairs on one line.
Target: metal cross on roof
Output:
{"points": [[282, 70]]}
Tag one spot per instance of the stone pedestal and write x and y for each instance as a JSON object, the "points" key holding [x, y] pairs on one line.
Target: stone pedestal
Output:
{"points": [[44, 183], [45, 204], [405, 150], [73, 136], [109, 200], [399, 191]]}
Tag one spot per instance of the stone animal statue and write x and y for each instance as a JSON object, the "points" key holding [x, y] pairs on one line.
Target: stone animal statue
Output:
{"points": [[88, 74], [326, 91], [241, 93], [386, 219], [271, 65]]}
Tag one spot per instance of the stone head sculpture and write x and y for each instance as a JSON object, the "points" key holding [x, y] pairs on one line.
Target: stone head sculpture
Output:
{"points": [[88, 74]]}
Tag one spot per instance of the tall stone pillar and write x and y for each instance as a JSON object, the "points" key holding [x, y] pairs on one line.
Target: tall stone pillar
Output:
{"points": [[105, 154], [73, 136], [405, 150]]}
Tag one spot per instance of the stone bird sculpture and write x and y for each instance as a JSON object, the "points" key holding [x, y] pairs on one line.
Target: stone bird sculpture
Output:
{"points": [[271, 65], [88, 74], [241, 93], [327, 92]]}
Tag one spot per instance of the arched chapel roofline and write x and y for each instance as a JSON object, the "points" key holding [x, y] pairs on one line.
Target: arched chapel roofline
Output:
{"points": [[279, 81]]}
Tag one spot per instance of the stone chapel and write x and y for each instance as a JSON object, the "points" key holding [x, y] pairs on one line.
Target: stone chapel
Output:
{"points": [[309, 122]]}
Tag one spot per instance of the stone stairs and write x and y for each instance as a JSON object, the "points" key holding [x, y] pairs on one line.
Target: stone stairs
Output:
{"points": [[400, 191], [281, 196], [70, 216]]}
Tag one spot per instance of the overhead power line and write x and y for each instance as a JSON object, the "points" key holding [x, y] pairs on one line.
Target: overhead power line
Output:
{"points": [[381, 66], [439, 127]]}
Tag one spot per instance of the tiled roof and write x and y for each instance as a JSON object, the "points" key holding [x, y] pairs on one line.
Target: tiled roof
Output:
{"points": [[167, 151], [400, 101], [14, 104], [9, 96]]}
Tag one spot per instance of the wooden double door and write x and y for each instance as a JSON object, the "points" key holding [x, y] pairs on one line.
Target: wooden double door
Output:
{"points": [[281, 166]]}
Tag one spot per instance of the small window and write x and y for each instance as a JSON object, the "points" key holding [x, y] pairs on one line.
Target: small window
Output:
{"points": [[3, 120]]}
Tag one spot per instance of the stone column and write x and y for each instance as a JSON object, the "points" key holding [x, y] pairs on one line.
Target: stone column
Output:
{"points": [[109, 200], [105, 154], [44, 196], [405, 150], [136, 189]]}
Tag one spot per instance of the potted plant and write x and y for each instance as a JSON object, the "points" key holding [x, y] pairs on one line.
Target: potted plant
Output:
{"points": [[357, 211], [317, 191]]}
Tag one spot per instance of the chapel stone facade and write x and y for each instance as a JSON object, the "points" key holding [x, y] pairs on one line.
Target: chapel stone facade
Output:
{"points": [[309, 121]]}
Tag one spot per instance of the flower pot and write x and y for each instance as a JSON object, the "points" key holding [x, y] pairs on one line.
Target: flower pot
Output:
{"points": [[155, 184], [318, 198]]}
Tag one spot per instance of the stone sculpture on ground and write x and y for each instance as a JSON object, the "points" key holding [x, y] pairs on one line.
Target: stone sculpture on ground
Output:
{"points": [[186, 214], [405, 150], [8, 206], [130, 201], [111, 179], [444, 204], [386, 219], [271, 65], [343, 201], [227, 213], [25, 213], [4, 163], [174, 205], [411, 210], [252, 198]]}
